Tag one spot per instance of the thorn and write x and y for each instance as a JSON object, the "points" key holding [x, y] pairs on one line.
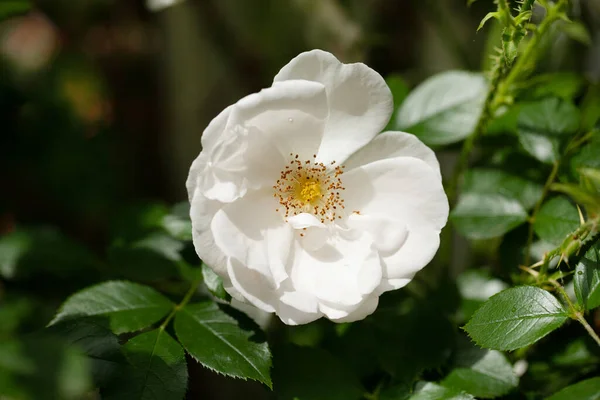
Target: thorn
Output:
{"points": [[581, 219]]}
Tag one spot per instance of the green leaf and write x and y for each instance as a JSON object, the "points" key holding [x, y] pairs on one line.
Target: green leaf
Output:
{"points": [[426, 335], [587, 156], [584, 390], [542, 125], [484, 216], [477, 286], [549, 117], [155, 257], [12, 314], [544, 148], [564, 85], [576, 354], [219, 342], [515, 318], [214, 283], [556, 219], [444, 109], [402, 391], [136, 221], [487, 17], [94, 337], [494, 181], [587, 279], [11, 8], [483, 373], [309, 373], [577, 31], [128, 306], [590, 200], [42, 367], [27, 252], [177, 223], [400, 90], [433, 391], [590, 108], [505, 121], [157, 369]]}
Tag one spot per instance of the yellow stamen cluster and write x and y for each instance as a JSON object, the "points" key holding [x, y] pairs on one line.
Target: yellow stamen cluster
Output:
{"points": [[310, 187]]}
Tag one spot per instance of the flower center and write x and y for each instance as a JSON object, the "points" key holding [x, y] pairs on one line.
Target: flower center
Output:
{"points": [[310, 187], [310, 192]]}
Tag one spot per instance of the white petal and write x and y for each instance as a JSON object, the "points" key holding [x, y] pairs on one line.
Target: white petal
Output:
{"points": [[393, 144], [360, 102], [366, 308], [202, 211], [392, 284], [290, 114], [251, 231], [210, 137], [418, 250], [253, 285], [259, 316], [215, 128], [407, 190], [304, 220], [297, 308], [403, 188], [388, 234], [340, 272]]}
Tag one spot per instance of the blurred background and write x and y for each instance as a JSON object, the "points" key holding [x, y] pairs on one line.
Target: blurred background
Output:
{"points": [[103, 102]]}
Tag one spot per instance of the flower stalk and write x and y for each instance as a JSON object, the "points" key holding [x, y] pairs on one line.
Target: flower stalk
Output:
{"points": [[504, 75]]}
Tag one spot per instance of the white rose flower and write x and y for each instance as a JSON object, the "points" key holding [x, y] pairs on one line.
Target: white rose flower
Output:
{"points": [[302, 207]]}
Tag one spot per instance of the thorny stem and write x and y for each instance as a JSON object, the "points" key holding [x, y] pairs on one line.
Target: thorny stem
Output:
{"points": [[499, 90], [186, 299], [574, 312], [528, 55], [537, 207]]}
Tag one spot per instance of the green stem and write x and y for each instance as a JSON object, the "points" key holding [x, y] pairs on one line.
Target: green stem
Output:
{"points": [[587, 327], [186, 299], [538, 205], [497, 95], [469, 143], [575, 313], [528, 55]]}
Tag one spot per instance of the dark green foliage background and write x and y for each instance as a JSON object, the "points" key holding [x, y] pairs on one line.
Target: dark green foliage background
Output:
{"points": [[102, 296]]}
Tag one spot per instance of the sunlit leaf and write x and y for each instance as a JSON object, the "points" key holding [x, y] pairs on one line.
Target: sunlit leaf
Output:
{"points": [[220, 343], [214, 283], [515, 318], [444, 109], [495, 181], [485, 374], [128, 306], [556, 219], [476, 286], [588, 389], [433, 391], [544, 124], [484, 216], [587, 279]]}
